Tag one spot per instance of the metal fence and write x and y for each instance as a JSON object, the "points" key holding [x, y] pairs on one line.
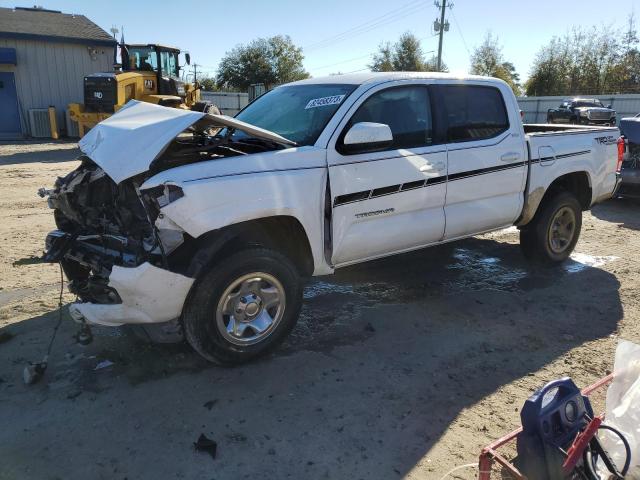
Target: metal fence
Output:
{"points": [[535, 108], [229, 103]]}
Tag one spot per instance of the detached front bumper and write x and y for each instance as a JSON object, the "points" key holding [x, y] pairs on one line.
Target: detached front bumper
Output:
{"points": [[129, 294], [148, 295]]}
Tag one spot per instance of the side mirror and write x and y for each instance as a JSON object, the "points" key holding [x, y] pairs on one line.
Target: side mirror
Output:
{"points": [[609, 106], [187, 58], [367, 136]]}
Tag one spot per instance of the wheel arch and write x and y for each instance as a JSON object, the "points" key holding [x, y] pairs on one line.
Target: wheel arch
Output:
{"points": [[283, 233], [578, 183]]}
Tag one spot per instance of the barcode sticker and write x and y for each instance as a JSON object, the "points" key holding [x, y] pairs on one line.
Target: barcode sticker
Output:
{"points": [[324, 101]]}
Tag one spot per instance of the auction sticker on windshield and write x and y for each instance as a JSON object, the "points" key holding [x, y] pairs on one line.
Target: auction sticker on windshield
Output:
{"points": [[324, 101]]}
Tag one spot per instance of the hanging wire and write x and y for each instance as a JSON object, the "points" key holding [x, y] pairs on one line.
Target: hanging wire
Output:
{"points": [[59, 322]]}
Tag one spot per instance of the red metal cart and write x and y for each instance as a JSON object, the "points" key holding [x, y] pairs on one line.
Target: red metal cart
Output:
{"points": [[490, 454]]}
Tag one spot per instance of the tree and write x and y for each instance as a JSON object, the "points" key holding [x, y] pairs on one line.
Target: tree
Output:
{"points": [[271, 61], [405, 55], [487, 59], [408, 55], [629, 68], [208, 83], [432, 65], [383, 60], [588, 61]]}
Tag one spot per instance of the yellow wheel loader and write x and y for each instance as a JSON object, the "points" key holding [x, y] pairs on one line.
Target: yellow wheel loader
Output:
{"points": [[150, 73]]}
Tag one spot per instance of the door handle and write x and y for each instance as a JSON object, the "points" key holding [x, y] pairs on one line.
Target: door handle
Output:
{"points": [[432, 166], [510, 157]]}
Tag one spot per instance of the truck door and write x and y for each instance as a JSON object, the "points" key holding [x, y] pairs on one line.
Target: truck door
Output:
{"points": [[486, 157], [390, 199]]}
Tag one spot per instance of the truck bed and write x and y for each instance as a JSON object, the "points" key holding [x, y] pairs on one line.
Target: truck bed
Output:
{"points": [[558, 150]]}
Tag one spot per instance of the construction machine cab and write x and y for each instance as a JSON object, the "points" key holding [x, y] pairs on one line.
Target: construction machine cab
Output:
{"points": [[149, 73], [163, 61]]}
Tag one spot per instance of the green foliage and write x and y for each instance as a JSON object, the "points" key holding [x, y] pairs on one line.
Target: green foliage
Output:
{"points": [[405, 55], [591, 61], [208, 84], [383, 60], [487, 59], [270, 61]]}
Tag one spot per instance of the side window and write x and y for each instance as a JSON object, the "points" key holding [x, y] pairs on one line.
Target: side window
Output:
{"points": [[168, 64], [473, 112], [407, 112]]}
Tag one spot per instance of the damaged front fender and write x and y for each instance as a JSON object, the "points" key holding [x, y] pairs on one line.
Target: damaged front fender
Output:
{"points": [[148, 294]]}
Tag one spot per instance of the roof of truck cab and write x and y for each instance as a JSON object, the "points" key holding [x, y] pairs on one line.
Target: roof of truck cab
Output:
{"points": [[381, 77], [154, 45]]}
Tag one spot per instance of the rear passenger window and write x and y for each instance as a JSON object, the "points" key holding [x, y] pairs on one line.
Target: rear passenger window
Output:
{"points": [[472, 112], [405, 109]]}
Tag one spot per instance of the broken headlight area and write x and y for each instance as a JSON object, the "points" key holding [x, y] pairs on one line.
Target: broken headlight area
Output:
{"points": [[102, 224]]}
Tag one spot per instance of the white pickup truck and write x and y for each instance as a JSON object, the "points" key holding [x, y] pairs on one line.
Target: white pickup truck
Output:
{"points": [[205, 226]]}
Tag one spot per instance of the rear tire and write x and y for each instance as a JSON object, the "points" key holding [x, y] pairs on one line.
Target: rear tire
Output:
{"points": [[243, 307], [554, 231]]}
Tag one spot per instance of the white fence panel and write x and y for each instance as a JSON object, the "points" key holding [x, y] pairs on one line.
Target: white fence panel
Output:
{"points": [[535, 108], [229, 103]]}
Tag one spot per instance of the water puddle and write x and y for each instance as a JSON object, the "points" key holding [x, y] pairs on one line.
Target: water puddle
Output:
{"points": [[582, 261], [477, 271], [467, 269], [320, 288]]}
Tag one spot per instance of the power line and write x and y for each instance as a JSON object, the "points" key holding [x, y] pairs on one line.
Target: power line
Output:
{"points": [[365, 56], [362, 25], [340, 63], [368, 29], [459, 30], [356, 71], [389, 17]]}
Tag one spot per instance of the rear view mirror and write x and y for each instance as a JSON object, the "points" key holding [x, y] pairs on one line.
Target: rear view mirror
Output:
{"points": [[367, 136], [187, 58]]}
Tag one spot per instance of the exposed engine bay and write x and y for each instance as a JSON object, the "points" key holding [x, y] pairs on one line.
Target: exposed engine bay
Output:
{"points": [[104, 224]]}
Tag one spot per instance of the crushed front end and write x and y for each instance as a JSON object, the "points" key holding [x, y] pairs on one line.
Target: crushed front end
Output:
{"points": [[114, 248], [124, 257]]}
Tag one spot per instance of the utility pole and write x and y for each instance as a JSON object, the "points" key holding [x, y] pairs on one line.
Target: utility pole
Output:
{"points": [[441, 26], [195, 72]]}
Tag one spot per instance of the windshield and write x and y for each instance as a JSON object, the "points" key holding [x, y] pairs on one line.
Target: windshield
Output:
{"points": [[587, 103], [296, 112], [143, 58]]}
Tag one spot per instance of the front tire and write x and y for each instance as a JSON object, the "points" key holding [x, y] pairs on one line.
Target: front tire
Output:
{"points": [[554, 231], [243, 306]]}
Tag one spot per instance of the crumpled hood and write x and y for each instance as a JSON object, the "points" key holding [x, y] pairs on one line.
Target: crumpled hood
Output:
{"points": [[125, 144]]}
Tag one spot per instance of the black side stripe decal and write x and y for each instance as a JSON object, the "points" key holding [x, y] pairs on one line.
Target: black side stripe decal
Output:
{"points": [[383, 191], [393, 189], [564, 155], [482, 171]]}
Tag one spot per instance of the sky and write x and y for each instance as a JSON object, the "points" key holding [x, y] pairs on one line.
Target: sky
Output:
{"points": [[341, 35]]}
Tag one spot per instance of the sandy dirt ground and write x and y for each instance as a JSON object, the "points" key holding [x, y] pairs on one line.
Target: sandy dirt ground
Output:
{"points": [[400, 368]]}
